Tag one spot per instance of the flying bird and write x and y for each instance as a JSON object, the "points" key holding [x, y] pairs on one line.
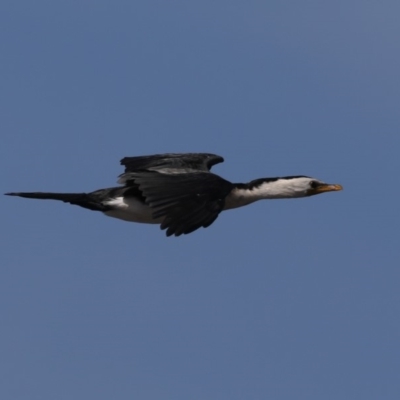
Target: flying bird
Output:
{"points": [[178, 191]]}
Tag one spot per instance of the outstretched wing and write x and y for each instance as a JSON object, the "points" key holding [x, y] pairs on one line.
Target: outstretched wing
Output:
{"points": [[185, 201], [169, 163]]}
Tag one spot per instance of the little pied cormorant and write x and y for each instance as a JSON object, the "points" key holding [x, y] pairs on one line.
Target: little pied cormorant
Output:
{"points": [[179, 192]]}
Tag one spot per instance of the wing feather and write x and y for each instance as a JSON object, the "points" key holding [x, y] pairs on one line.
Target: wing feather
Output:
{"points": [[169, 163], [186, 201]]}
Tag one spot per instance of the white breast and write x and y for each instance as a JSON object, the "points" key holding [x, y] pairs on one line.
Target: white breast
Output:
{"points": [[239, 198], [132, 210]]}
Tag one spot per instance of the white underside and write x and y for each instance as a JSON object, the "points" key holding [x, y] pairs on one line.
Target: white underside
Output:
{"points": [[131, 210]]}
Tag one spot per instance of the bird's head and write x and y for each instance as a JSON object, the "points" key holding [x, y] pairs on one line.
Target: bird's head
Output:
{"points": [[315, 186], [291, 187], [304, 186]]}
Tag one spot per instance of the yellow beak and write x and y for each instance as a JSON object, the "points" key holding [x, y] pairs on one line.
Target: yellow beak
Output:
{"points": [[325, 187]]}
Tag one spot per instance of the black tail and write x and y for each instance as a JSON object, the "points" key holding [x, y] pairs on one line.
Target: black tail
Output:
{"points": [[84, 200]]}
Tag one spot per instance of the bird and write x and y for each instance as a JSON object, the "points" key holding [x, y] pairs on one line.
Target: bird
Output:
{"points": [[179, 192]]}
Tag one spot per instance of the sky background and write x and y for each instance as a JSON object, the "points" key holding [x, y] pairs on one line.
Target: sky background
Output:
{"points": [[291, 299]]}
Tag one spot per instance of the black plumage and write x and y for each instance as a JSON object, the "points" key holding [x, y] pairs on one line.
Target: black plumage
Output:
{"points": [[178, 188], [185, 201]]}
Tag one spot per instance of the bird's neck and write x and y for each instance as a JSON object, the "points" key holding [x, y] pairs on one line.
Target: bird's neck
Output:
{"points": [[259, 189]]}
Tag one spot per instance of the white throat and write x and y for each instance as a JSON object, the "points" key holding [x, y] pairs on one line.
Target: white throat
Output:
{"points": [[275, 189]]}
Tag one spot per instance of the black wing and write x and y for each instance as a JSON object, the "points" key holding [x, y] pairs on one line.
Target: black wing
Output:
{"points": [[169, 163], [186, 201]]}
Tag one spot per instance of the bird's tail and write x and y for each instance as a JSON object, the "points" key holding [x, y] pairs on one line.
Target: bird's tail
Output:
{"points": [[80, 199]]}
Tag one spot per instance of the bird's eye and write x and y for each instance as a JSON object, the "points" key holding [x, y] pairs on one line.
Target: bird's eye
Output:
{"points": [[314, 184]]}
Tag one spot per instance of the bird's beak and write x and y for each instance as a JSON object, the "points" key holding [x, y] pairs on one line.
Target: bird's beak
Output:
{"points": [[325, 187]]}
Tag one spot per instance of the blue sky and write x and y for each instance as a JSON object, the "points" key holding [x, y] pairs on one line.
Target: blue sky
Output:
{"points": [[279, 300]]}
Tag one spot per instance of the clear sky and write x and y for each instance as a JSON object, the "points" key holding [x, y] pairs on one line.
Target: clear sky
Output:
{"points": [[291, 299]]}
